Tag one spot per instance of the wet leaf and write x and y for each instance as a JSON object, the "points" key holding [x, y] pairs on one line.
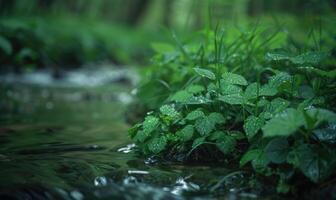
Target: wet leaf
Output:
{"points": [[204, 125], [169, 111], [181, 96], [231, 78], [252, 125], [157, 144], [186, 133], [150, 124], [195, 115], [252, 91], [268, 90], [217, 118], [205, 73], [230, 89], [327, 135], [233, 99]]}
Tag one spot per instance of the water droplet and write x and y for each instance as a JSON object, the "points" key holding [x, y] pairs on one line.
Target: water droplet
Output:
{"points": [[129, 148], [141, 172], [100, 181]]}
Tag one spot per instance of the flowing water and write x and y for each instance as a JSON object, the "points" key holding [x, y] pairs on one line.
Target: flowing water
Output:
{"points": [[67, 139]]}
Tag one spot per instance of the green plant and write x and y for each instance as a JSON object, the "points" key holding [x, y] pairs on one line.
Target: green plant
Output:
{"points": [[278, 120]]}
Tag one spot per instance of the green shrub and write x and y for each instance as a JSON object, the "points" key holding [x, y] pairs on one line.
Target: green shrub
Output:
{"points": [[243, 103]]}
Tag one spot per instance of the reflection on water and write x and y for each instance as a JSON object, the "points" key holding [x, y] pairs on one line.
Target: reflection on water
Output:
{"points": [[71, 143]]}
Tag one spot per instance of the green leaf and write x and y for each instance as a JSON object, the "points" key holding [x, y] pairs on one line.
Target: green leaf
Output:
{"points": [[186, 133], [252, 91], [249, 156], [162, 48], [276, 106], [217, 118], [169, 111], [198, 142], [141, 136], [233, 99], [305, 58], [231, 78], [133, 130], [322, 115], [314, 163], [252, 125], [194, 89], [279, 79], [181, 96], [327, 135], [195, 115], [157, 145], [229, 88], [277, 150], [284, 124], [205, 73], [226, 144], [268, 90], [150, 124], [309, 58], [204, 125]]}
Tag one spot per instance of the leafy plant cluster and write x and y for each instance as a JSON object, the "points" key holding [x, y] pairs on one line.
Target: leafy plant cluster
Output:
{"points": [[66, 42], [273, 113]]}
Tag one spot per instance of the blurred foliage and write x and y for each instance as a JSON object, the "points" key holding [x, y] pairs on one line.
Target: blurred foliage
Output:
{"points": [[57, 34]]}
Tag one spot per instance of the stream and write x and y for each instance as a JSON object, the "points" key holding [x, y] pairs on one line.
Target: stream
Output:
{"points": [[66, 138]]}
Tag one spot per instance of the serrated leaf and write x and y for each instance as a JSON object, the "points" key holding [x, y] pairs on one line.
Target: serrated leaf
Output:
{"points": [[284, 124], [233, 99], [231, 78], [217, 118], [195, 115], [229, 88], [204, 125], [277, 150], [186, 133], [198, 100], [252, 125], [274, 107], [305, 58], [252, 91], [157, 144], [279, 79], [169, 111], [150, 124], [205, 73], [309, 58], [268, 90]]}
